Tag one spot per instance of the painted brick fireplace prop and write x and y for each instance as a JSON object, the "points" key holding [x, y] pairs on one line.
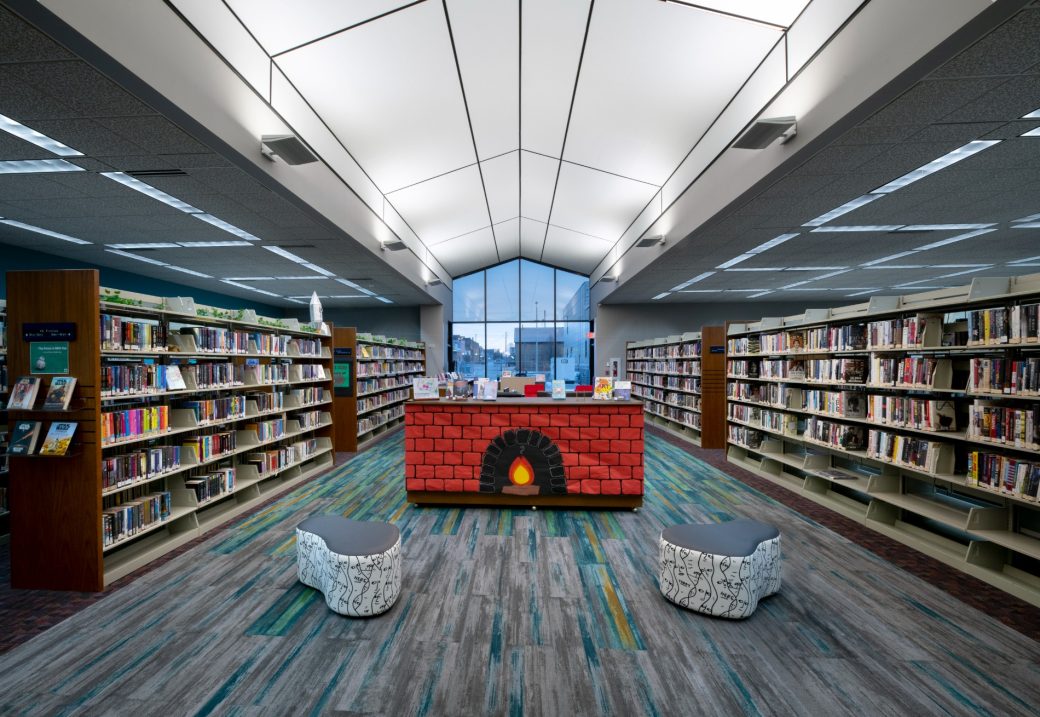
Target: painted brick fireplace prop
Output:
{"points": [[526, 451]]}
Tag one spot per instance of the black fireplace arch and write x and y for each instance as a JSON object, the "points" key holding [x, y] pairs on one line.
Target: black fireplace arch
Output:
{"points": [[550, 477]]}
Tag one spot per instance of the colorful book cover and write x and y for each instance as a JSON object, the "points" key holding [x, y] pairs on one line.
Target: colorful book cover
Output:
{"points": [[603, 388], [460, 389], [58, 439], [59, 394], [559, 389], [23, 393], [622, 390], [425, 387], [23, 438]]}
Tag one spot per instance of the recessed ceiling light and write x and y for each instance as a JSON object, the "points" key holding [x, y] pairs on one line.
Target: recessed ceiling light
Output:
{"points": [[694, 280], [865, 291], [229, 228], [250, 288], [954, 240], [1030, 218], [759, 268], [813, 268], [148, 190], [188, 271], [45, 232], [1035, 132], [1035, 114], [735, 260], [765, 246], [797, 283], [1025, 264], [1026, 225], [348, 296], [250, 278], [864, 228], [205, 244], [351, 284], [890, 257], [897, 266], [384, 300], [1021, 261], [20, 131], [299, 260], [761, 293], [943, 227], [145, 245], [958, 266], [661, 296], [128, 255], [843, 209], [948, 159], [966, 271], [37, 166]]}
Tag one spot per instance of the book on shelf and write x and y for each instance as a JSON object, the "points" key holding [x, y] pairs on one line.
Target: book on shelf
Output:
{"points": [[59, 438], [59, 394], [622, 390], [603, 388], [559, 389], [24, 435], [174, 379], [23, 393]]}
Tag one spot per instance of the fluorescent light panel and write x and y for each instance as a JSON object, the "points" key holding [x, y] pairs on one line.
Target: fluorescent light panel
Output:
{"points": [[863, 228], [144, 245], [206, 244], [954, 240], [694, 280], [761, 293], [890, 257], [148, 190], [384, 300], [1022, 261], [41, 140], [138, 257], [843, 209], [948, 159], [352, 285], [966, 271], [661, 295], [765, 246], [1035, 114], [898, 266], [45, 232], [188, 271], [250, 288], [1035, 132], [1026, 225], [943, 227], [229, 228], [1030, 218], [37, 166]]}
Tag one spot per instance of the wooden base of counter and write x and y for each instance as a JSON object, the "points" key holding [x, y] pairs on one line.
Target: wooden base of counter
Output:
{"points": [[427, 497]]}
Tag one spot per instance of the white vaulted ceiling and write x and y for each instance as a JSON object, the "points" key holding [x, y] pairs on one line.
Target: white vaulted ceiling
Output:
{"points": [[501, 128]]}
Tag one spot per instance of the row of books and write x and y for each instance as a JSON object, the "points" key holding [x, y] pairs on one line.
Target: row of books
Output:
{"points": [[913, 452], [371, 385], [745, 436], [24, 435], [388, 352], [121, 333], [850, 337], [210, 339], [134, 422], [382, 399], [128, 468], [767, 419], [909, 371], [690, 349], [308, 419], [1010, 476], [207, 446], [905, 332], [58, 397], [217, 409], [1014, 426], [308, 371], [118, 379], [215, 374], [741, 345], [686, 367], [385, 368], [308, 347], [674, 383], [677, 414], [269, 430], [125, 520], [905, 412], [374, 420], [1004, 324], [272, 460], [211, 484], [833, 433], [1012, 376]]}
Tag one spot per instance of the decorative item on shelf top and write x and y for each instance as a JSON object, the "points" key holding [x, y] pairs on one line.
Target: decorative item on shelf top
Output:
{"points": [[943, 373]]}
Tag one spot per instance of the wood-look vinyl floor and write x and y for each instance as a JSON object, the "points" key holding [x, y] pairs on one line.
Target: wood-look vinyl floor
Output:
{"points": [[522, 612]]}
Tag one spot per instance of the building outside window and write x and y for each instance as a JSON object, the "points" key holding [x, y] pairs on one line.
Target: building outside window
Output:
{"points": [[522, 317]]}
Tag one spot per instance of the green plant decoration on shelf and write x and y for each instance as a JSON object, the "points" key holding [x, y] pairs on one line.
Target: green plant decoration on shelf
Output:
{"points": [[112, 296]]}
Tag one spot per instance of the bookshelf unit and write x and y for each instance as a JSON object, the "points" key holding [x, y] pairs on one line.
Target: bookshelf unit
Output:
{"points": [[5, 509], [385, 368], [917, 415], [681, 385], [153, 465]]}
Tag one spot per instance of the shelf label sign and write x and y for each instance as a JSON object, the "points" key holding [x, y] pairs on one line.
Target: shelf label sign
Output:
{"points": [[49, 332], [49, 357], [717, 349]]}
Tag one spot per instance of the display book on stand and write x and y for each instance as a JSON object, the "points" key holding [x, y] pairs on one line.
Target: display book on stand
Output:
{"points": [[918, 415], [668, 376], [385, 369], [197, 415]]}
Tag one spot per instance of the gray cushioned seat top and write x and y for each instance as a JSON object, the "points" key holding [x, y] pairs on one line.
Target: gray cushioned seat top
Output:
{"points": [[736, 538], [344, 536]]}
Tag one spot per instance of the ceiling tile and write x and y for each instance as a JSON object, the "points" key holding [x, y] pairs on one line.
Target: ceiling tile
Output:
{"points": [[537, 184], [467, 253], [630, 115], [599, 204], [445, 207], [487, 44], [400, 114], [573, 251], [551, 40], [20, 42], [1010, 49], [218, 24], [502, 182]]}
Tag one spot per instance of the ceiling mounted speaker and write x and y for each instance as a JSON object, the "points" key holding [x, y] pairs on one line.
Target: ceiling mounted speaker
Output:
{"points": [[651, 241], [763, 133], [286, 146], [393, 245]]}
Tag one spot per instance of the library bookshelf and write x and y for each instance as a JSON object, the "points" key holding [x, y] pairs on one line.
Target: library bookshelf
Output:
{"points": [[916, 415], [682, 385], [153, 463], [5, 510], [385, 369]]}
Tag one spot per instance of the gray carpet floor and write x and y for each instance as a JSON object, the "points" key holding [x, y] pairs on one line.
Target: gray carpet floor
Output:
{"points": [[522, 612]]}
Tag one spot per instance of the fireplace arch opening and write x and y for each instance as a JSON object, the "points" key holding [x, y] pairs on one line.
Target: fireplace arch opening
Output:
{"points": [[523, 461]]}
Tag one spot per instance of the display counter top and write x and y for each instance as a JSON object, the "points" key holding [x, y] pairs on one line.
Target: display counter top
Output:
{"points": [[519, 401]]}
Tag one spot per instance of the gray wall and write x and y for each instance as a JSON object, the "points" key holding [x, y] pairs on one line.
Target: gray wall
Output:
{"points": [[619, 323], [435, 334], [399, 322]]}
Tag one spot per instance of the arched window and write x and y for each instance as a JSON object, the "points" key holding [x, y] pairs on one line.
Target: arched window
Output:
{"points": [[521, 317]]}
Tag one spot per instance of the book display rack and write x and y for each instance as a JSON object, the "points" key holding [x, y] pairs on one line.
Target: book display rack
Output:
{"points": [[186, 415], [385, 369], [918, 416], [680, 384]]}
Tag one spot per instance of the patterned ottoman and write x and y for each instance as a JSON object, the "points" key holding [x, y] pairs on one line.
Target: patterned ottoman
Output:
{"points": [[721, 569], [356, 565]]}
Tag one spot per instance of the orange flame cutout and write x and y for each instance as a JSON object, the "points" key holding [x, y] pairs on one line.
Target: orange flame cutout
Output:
{"points": [[521, 472]]}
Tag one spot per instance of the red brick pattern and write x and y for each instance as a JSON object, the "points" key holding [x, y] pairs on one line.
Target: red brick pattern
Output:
{"points": [[601, 443]]}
